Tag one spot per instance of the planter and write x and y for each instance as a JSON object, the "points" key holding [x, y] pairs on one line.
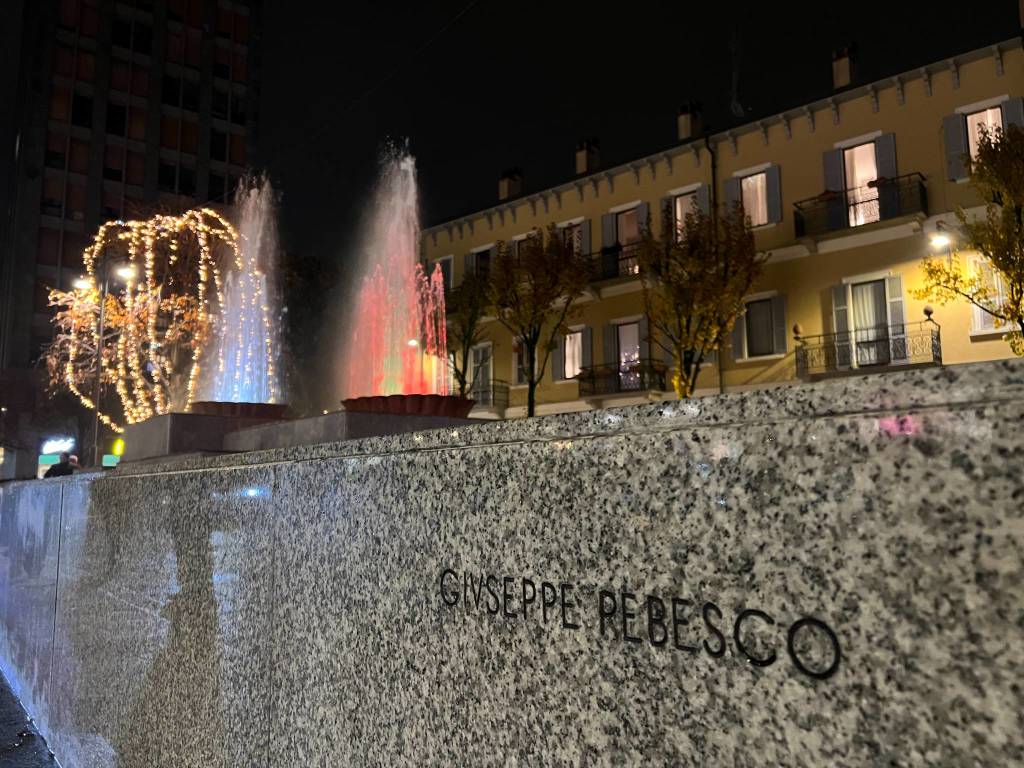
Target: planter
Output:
{"points": [[412, 405]]}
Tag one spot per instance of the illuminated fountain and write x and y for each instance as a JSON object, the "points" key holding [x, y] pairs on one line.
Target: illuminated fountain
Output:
{"points": [[245, 369], [395, 356]]}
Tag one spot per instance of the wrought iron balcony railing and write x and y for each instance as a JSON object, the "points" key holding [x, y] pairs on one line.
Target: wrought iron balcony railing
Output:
{"points": [[641, 376], [490, 394], [615, 261], [868, 348], [880, 200]]}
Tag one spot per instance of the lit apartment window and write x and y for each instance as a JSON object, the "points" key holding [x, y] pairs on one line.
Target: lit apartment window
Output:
{"points": [[984, 120], [573, 354], [627, 232], [860, 170], [683, 206], [754, 189], [993, 280], [628, 342], [760, 328]]}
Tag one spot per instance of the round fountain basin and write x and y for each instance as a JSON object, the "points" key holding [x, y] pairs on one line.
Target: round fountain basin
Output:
{"points": [[240, 410], [417, 405]]}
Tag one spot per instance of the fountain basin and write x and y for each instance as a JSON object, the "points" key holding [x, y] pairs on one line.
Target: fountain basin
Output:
{"points": [[240, 410], [418, 405]]}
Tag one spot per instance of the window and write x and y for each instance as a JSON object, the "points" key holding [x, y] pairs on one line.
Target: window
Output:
{"points": [[113, 163], [218, 145], [627, 227], [870, 322], [573, 354], [627, 232], [754, 190], [190, 95], [237, 109], [171, 93], [682, 206], [572, 235], [219, 106], [759, 326], [166, 177], [859, 171], [117, 119], [85, 67], [53, 196], [136, 173], [79, 159], [189, 137], [995, 283], [482, 262], [480, 365], [81, 111], [56, 150], [186, 181], [628, 353], [977, 122], [216, 190], [522, 374]]}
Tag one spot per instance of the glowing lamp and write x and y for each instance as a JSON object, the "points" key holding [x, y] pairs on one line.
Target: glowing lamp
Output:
{"points": [[126, 273], [83, 283], [413, 343], [118, 447], [58, 445], [940, 240]]}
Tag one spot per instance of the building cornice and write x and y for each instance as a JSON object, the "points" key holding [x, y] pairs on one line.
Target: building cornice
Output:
{"points": [[831, 104]]}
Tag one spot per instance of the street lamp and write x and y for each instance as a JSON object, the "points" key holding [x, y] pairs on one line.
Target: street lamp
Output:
{"points": [[125, 272]]}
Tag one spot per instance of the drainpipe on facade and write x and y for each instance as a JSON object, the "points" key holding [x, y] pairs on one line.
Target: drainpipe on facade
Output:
{"points": [[714, 220]]}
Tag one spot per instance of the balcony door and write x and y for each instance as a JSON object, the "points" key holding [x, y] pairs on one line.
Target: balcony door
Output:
{"points": [[628, 339], [859, 170], [870, 322], [627, 230]]}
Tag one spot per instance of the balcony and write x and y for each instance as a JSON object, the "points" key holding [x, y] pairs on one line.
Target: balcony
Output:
{"points": [[600, 381], [490, 396], [881, 200], [868, 350], [614, 262]]}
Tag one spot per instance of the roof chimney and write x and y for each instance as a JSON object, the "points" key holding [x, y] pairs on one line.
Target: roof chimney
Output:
{"points": [[510, 184], [588, 156], [842, 67], [689, 123]]}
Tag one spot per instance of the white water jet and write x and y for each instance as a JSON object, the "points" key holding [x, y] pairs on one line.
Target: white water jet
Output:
{"points": [[393, 340], [248, 343]]}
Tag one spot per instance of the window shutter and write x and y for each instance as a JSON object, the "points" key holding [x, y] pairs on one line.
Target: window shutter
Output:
{"points": [[608, 230], [668, 224], [885, 165], [833, 162], [954, 128], [836, 207], [773, 183], [585, 237], [733, 192], [841, 325], [645, 338], [643, 212], [610, 351], [469, 264], [739, 332], [1013, 112], [558, 360], [703, 199], [779, 324], [897, 331], [587, 355]]}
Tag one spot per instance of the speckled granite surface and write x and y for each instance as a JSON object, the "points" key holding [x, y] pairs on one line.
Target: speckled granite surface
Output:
{"points": [[824, 575]]}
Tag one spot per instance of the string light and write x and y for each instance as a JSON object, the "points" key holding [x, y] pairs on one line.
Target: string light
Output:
{"points": [[153, 313]]}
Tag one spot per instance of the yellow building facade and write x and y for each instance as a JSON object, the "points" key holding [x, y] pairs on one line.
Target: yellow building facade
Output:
{"points": [[847, 194]]}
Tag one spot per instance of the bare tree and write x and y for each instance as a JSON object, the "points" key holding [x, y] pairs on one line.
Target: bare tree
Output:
{"points": [[534, 287], [694, 279]]}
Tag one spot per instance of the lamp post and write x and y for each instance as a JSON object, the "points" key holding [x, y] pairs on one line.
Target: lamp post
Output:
{"points": [[126, 272]]}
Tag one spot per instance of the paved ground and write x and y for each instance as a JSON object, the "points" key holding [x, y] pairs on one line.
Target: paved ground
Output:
{"points": [[21, 746]]}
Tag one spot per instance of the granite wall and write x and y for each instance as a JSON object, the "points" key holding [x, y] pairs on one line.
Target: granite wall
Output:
{"points": [[809, 576]]}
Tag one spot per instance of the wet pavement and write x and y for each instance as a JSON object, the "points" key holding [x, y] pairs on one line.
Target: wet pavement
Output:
{"points": [[21, 746]]}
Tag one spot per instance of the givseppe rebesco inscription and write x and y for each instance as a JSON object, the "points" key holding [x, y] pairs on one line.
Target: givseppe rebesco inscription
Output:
{"points": [[677, 623]]}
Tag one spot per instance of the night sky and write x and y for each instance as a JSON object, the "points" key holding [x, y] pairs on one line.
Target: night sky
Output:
{"points": [[478, 87]]}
